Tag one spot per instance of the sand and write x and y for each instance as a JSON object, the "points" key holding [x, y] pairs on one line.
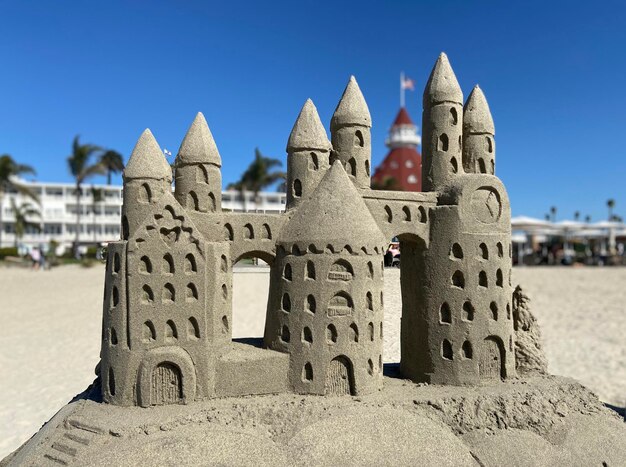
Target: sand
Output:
{"points": [[51, 331]]}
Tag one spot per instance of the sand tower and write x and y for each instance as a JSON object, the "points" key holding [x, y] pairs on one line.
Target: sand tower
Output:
{"points": [[326, 302], [466, 277], [146, 177], [350, 134], [198, 175]]}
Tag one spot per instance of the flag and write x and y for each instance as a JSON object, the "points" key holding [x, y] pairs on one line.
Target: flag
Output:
{"points": [[407, 83]]}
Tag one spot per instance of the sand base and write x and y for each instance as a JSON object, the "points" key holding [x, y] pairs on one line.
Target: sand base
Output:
{"points": [[538, 421]]}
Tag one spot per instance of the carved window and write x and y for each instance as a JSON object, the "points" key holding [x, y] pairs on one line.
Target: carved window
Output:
{"points": [[341, 270]]}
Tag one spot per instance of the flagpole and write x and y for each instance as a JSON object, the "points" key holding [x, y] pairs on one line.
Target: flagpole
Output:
{"points": [[402, 89]]}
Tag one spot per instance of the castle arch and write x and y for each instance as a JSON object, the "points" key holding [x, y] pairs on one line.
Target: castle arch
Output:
{"points": [[491, 359], [166, 376], [340, 377]]}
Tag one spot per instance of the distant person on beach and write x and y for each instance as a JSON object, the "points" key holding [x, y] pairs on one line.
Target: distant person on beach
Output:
{"points": [[35, 256]]}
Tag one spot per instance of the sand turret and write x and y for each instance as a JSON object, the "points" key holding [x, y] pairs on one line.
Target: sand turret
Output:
{"points": [[325, 307], [147, 176], [350, 134], [308, 152], [479, 152], [442, 122], [198, 176]]}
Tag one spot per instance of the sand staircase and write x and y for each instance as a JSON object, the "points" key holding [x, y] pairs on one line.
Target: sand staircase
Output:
{"points": [[68, 443]]}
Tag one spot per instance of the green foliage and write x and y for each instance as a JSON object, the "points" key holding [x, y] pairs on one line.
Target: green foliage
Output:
{"points": [[22, 214], [92, 252], [9, 251], [113, 162], [259, 174]]}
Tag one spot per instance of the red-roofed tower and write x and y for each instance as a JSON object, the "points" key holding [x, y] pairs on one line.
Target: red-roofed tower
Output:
{"points": [[402, 167]]}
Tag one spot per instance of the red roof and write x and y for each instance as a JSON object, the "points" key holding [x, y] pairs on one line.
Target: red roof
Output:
{"points": [[401, 170], [403, 118]]}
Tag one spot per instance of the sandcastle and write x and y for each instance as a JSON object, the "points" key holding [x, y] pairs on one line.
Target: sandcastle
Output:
{"points": [[167, 309], [174, 388]]}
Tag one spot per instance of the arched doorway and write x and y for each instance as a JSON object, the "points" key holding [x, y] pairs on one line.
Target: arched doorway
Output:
{"points": [[251, 278], [339, 377], [403, 306], [491, 360], [166, 384]]}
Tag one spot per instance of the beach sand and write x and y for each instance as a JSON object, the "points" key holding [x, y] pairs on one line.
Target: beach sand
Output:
{"points": [[51, 332]]}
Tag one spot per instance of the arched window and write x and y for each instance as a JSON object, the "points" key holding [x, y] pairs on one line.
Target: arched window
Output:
{"points": [[191, 293], [443, 142], [359, 141], [190, 264], [145, 194], [445, 315], [193, 329], [297, 188], [458, 280], [482, 279], [145, 266], [446, 350], [314, 163], [310, 304], [484, 252], [169, 294], [168, 264], [467, 349], [171, 334], [148, 333], [351, 167], [287, 273], [456, 251], [192, 201], [468, 311], [310, 270], [407, 213], [307, 373], [307, 335]]}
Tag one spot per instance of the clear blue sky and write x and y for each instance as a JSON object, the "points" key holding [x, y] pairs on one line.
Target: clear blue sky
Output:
{"points": [[554, 74]]}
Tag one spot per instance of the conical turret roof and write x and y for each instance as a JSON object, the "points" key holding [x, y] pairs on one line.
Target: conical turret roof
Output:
{"points": [[198, 146], [352, 108], [442, 84], [308, 131], [147, 160], [336, 215], [476, 113]]}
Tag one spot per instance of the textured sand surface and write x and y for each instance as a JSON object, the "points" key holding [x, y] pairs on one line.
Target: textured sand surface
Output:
{"points": [[51, 330]]}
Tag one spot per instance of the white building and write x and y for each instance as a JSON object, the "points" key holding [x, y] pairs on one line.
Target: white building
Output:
{"points": [[99, 223]]}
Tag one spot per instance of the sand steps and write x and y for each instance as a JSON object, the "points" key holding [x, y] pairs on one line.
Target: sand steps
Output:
{"points": [[69, 442]]}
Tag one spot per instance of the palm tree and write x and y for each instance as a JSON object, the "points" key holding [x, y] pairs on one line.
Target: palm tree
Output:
{"points": [[112, 162], [576, 215], [22, 214], [9, 171], [97, 196], [587, 218], [257, 176], [553, 213], [610, 203], [81, 167]]}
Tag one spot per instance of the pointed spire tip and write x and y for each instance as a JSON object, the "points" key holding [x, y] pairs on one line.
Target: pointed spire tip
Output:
{"points": [[352, 108], [308, 131], [198, 146]]}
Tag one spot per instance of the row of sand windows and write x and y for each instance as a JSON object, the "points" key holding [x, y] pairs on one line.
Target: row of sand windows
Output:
{"points": [[167, 265], [248, 232], [307, 369], [296, 251], [458, 279], [193, 202], [456, 252], [306, 336], [149, 333], [407, 215], [448, 354], [340, 270], [168, 293], [468, 311], [340, 299]]}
